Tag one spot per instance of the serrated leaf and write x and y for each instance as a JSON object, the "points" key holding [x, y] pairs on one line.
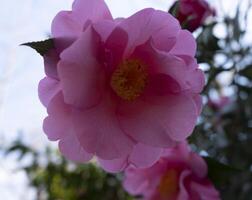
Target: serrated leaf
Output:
{"points": [[218, 172], [42, 47]]}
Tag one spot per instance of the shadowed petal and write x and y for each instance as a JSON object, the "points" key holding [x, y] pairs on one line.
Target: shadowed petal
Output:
{"points": [[70, 24], [115, 165], [72, 150], [91, 10], [58, 123], [144, 155], [99, 132], [183, 69], [145, 24], [80, 72], [183, 193], [160, 120], [47, 89], [185, 44]]}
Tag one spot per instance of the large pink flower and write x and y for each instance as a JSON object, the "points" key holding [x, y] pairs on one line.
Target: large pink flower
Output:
{"points": [[179, 175], [120, 89], [193, 13]]}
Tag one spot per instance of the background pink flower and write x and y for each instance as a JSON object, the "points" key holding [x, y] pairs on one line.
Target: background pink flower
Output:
{"points": [[218, 104], [120, 89], [193, 13], [179, 174]]}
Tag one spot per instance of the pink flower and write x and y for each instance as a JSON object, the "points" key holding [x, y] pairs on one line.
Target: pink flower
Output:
{"points": [[219, 103], [120, 89], [193, 13], [179, 175]]}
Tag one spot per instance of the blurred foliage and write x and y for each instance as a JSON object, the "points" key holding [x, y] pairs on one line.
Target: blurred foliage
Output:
{"points": [[58, 179], [224, 132], [219, 173]]}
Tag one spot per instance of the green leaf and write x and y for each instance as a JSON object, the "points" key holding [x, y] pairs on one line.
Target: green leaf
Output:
{"points": [[247, 72], [220, 173], [208, 44], [174, 9], [208, 39], [42, 47], [236, 26]]}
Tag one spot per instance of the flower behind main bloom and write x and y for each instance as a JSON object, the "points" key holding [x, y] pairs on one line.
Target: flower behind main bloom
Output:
{"points": [[120, 89], [220, 103], [193, 13], [179, 175]]}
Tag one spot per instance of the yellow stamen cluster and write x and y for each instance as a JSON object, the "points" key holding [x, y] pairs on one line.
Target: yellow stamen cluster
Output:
{"points": [[169, 184], [129, 79]]}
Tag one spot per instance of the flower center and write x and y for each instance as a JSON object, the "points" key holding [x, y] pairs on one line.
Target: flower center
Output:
{"points": [[168, 186], [129, 79]]}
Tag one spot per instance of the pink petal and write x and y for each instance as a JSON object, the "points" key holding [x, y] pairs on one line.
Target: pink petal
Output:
{"points": [[196, 80], [58, 124], [47, 89], [135, 181], [162, 41], [144, 156], [161, 84], [145, 24], [139, 121], [159, 121], [115, 41], [104, 28], [185, 45], [99, 132], [143, 181], [65, 25], [159, 62], [182, 71], [198, 102], [196, 77], [116, 44], [183, 193], [182, 118], [80, 73], [70, 24], [51, 60], [198, 165], [183, 149], [72, 150], [115, 165], [205, 191], [93, 10]]}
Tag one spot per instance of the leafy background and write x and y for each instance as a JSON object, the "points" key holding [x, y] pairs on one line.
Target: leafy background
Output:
{"points": [[33, 168]]}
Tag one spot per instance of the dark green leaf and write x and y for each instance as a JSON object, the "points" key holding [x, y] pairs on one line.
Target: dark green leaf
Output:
{"points": [[247, 72], [236, 25], [42, 47], [174, 9], [207, 44], [218, 172]]}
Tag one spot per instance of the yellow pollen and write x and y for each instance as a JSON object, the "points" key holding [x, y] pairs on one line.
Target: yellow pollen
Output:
{"points": [[129, 79], [168, 186]]}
